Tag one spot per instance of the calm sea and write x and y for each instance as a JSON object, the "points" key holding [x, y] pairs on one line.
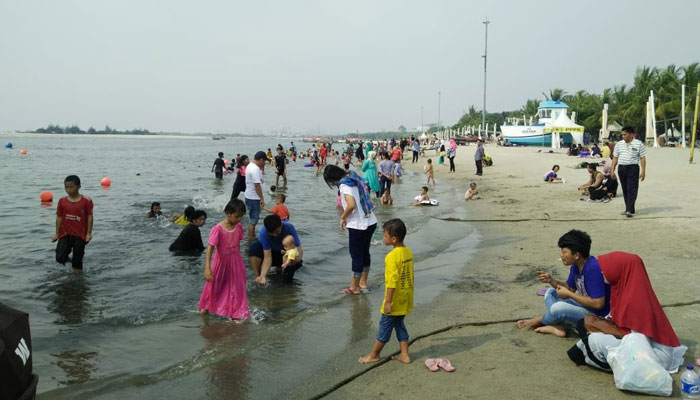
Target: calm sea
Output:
{"points": [[129, 326]]}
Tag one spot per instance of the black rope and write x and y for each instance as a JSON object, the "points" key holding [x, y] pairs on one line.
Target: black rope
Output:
{"points": [[435, 332]]}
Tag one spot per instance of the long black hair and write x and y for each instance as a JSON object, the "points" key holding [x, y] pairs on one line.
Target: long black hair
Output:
{"points": [[333, 174], [241, 160]]}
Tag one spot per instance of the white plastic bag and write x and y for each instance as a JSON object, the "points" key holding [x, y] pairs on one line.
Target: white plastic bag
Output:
{"points": [[636, 368]]}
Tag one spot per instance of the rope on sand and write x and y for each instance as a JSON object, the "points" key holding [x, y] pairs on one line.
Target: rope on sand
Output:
{"points": [[438, 331], [547, 219]]}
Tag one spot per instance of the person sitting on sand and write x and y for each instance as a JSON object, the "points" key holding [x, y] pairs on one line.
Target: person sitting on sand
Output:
{"points": [[593, 186], [551, 176], [584, 292], [471, 192], [595, 151], [423, 196]]}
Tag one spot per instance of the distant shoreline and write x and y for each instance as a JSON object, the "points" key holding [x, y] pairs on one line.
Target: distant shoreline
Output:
{"points": [[105, 135]]}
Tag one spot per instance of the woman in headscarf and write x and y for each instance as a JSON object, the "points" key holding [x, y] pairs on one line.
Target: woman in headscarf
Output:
{"points": [[370, 171], [451, 154], [633, 308]]}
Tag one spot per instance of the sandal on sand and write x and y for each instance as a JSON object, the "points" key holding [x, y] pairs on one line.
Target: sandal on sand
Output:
{"points": [[445, 364], [349, 291], [432, 364]]}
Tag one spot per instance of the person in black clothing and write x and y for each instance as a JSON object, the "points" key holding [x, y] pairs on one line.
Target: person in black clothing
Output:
{"points": [[155, 210], [280, 167], [239, 184], [219, 166], [190, 239]]}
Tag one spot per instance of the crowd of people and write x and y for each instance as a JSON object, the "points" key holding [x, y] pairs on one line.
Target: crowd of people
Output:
{"points": [[602, 300]]}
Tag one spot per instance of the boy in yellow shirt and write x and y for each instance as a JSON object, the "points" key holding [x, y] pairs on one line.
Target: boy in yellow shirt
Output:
{"points": [[398, 295]]}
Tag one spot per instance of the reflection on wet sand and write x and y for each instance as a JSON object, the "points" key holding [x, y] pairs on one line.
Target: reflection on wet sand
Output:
{"points": [[228, 378], [78, 367], [360, 318], [71, 300]]}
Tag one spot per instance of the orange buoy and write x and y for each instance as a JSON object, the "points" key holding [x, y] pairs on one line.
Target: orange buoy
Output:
{"points": [[106, 182], [46, 196], [23, 152], [227, 162]]}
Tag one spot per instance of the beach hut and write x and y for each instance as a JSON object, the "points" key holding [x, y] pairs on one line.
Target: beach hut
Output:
{"points": [[564, 125]]}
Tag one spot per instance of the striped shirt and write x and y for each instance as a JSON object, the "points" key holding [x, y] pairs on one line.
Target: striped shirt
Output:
{"points": [[629, 154]]}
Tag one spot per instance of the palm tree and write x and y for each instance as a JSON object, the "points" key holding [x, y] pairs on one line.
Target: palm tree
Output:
{"points": [[555, 94]]}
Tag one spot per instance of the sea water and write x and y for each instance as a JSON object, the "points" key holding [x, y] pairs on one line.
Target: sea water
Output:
{"points": [[129, 326]]}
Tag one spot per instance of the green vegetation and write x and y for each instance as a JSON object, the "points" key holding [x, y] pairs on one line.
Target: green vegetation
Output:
{"points": [[74, 129], [627, 105]]}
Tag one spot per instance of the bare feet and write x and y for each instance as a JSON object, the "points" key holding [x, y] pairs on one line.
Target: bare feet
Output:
{"points": [[368, 359], [404, 358], [204, 311], [261, 280], [556, 330], [529, 323]]}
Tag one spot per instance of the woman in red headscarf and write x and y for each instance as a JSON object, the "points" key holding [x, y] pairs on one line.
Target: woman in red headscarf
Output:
{"points": [[633, 308]]}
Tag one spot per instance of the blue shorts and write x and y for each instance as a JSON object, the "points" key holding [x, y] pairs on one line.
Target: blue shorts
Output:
{"points": [[387, 324], [253, 210]]}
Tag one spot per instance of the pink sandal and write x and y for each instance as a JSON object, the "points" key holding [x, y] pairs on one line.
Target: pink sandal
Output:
{"points": [[445, 364], [432, 364]]}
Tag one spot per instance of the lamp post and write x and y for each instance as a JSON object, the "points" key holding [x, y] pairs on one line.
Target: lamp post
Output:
{"points": [[439, 99], [486, 44]]}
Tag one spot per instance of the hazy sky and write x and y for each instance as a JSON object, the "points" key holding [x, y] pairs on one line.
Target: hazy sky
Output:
{"points": [[329, 66]]}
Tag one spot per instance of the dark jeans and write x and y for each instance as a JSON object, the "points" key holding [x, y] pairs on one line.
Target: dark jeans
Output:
{"points": [[359, 242], [415, 157], [452, 163], [384, 184], [256, 250], [479, 167], [67, 244], [629, 180]]}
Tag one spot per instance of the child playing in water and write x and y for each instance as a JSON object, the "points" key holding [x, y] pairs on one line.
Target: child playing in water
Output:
{"points": [[423, 196], [219, 166], [190, 238], [225, 290], [155, 210], [183, 220], [471, 192], [429, 171], [290, 251], [386, 198], [347, 161], [73, 225], [280, 209], [398, 295], [398, 171]]}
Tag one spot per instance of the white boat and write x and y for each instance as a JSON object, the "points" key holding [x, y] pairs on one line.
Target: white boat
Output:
{"points": [[553, 121]]}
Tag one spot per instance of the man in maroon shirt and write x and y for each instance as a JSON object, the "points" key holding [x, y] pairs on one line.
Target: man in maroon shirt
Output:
{"points": [[73, 224]]}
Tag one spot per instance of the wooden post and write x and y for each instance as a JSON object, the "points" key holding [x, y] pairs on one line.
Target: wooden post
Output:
{"points": [[695, 124]]}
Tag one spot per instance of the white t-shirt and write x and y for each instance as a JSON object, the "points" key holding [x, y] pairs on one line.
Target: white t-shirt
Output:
{"points": [[253, 175], [356, 219]]}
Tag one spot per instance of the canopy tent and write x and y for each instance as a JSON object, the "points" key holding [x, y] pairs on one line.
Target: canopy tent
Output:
{"points": [[423, 136], [614, 127], [563, 124]]}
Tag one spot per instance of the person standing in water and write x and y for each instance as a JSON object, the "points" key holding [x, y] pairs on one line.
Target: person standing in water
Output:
{"points": [[73, 224], [218, 167], [254, 191]]}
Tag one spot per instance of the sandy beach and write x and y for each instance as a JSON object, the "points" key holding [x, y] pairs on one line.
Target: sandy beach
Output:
{"points": [[476, 317]]}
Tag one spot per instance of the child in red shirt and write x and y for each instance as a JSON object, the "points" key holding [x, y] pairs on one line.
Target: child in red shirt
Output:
{"points": [[280, 209], [73, 224]]}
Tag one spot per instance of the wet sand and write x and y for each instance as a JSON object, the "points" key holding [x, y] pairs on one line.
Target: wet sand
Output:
{"points": [[493, 358]]}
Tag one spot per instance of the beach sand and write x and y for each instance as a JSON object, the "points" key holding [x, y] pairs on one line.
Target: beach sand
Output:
{"points": [[494, 359]]}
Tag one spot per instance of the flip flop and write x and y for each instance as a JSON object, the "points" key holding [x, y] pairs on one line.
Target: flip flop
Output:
{"points": [[349, 291], [432, 364], [445, 364], [364, 290], [542, 292]]}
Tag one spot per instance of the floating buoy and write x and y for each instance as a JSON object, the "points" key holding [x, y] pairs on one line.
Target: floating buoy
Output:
{"points": [[8, 145], [46, 196], [23, 152], [106, 182], [227, 162]]}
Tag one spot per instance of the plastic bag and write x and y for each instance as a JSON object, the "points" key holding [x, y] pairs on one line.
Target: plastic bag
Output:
{"points": [[636, 368]]}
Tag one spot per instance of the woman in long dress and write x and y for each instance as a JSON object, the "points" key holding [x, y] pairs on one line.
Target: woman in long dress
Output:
{"points": [[370, 171]]}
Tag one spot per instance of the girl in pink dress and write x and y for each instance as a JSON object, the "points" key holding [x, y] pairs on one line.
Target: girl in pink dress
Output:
{"points": [[225, 291]]}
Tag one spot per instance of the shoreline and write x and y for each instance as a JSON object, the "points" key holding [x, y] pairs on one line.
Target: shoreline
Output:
{"points": [[499, 283]]}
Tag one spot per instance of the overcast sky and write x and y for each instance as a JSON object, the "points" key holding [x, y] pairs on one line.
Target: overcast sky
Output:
{"points": [[307, 66]]}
